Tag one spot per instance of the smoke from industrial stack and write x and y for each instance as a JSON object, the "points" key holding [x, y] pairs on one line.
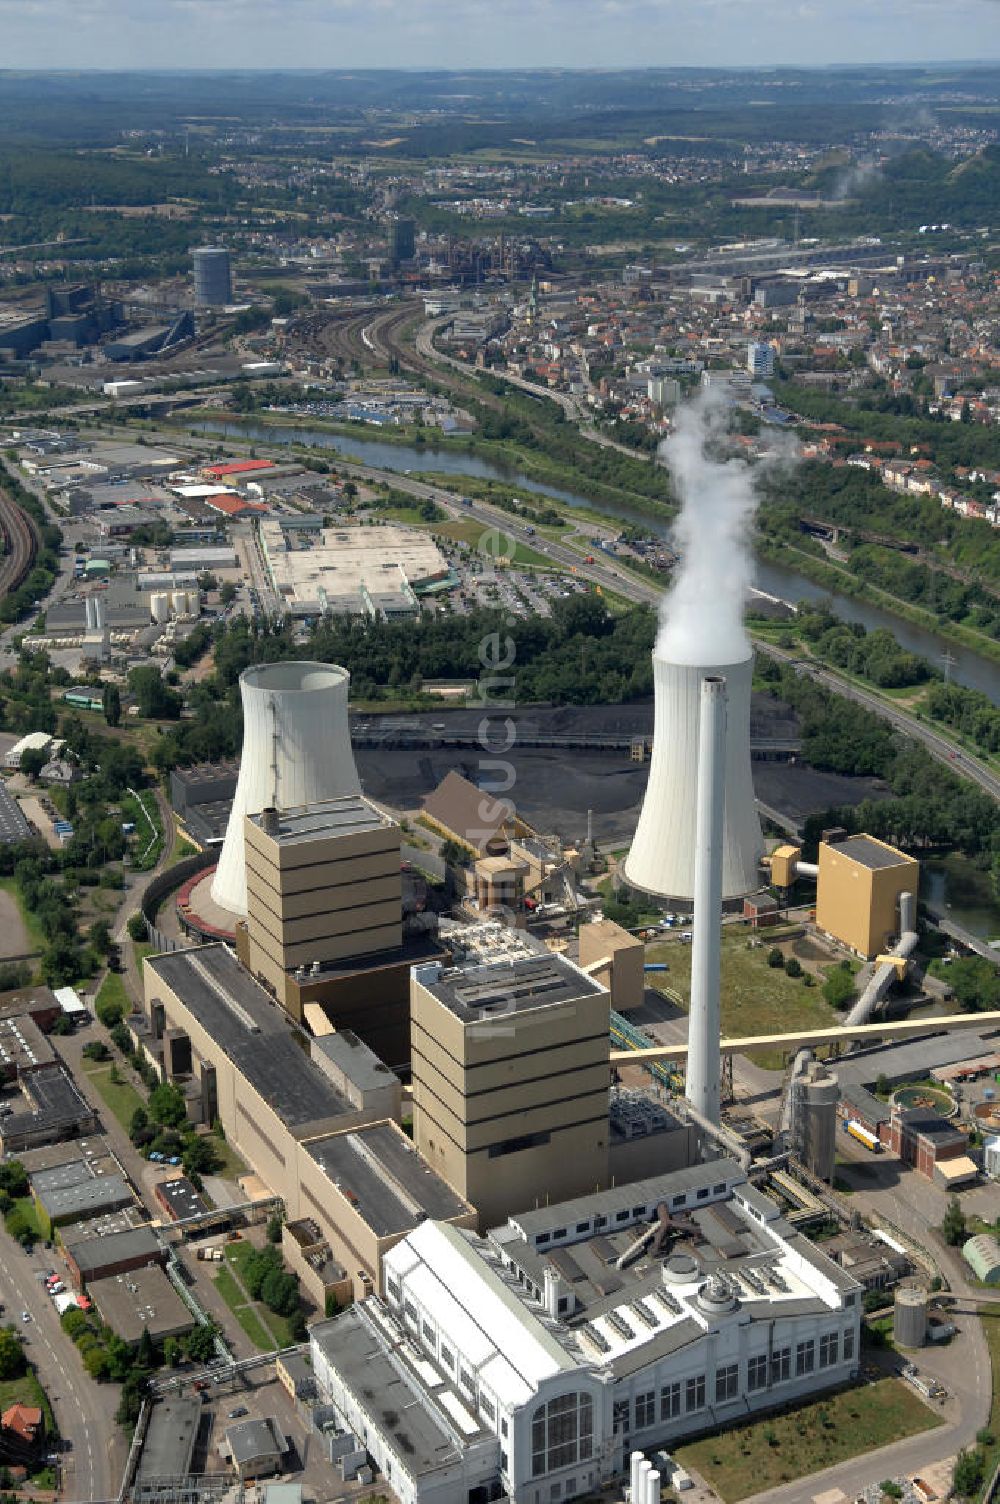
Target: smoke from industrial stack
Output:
{"points": [[702, 633], [296, 751]]}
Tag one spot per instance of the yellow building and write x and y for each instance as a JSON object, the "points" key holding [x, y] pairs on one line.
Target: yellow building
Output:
{"points": [[857, 892], [613, 956]]}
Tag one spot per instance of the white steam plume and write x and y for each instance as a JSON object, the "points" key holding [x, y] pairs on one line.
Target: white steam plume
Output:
{"points": [[701, 616]]}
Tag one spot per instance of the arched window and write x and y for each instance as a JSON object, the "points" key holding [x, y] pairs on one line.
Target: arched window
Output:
{"points": [[562, 1433]]}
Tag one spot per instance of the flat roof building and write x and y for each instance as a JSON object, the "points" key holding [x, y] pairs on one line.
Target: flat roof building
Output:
{"points": [[87, 1197], [168, 1447], [116, 1253], [142, 1300], [371, 570], [54, 1110], [511, 1078]]}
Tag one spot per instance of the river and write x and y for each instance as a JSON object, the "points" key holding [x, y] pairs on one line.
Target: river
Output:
{"points": [[968, 669]]}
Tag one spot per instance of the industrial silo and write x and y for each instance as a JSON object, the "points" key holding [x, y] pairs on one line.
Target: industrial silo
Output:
{"points": [[179, 601], [661, 859], [909, 1316], [814, 1119], [296, 751], [159, 606], [213, 281]]}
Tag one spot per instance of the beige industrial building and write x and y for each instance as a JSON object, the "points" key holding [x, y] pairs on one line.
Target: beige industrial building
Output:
{"points": [[511, 1080], [323, 884], [858, 890], [358, 570], [615, 958], [307, 1115]]}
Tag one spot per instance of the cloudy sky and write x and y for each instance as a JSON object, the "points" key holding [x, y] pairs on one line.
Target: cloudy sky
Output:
{"points": [[489, 33]]}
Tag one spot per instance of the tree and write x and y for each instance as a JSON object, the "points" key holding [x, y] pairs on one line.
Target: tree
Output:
{"points": [[33, 761], [14, 1178], [154, 699], [145, 1353], [838, 989], [99, 936], [111, 701], [883, 1085], [137, 928], [953, 1228], [201, 1343], [775, 958], [274, 1225], [173, 1352], [793, 967], [970, 1469], [12, 1362], [139, 1123], [96, 1050], [166, 1105], [200, 1157]]}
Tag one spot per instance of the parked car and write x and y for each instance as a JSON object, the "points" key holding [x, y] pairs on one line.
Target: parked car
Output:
{"points": [[239, 1411], [25, 1316]]}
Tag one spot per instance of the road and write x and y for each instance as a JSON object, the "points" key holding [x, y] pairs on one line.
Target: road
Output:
{"points": [[84, 1410]]}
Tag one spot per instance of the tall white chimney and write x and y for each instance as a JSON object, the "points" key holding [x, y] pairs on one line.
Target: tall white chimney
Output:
{"points": [[661, 859], [296, 751], [704, 1019]]}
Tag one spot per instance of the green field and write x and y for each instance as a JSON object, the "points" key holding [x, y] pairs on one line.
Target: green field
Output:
{"points": [[34, 928], [121, 1098], [756, 998], [796, 1443], [243, 1309], [112, 990], [277, 1329]]}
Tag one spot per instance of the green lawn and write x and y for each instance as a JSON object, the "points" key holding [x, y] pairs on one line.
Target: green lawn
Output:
{"points": [[121, 1098], [112, 990], [244, 1311], [796, 1443], [756, 998], [279, 1326], [232, 1166]]}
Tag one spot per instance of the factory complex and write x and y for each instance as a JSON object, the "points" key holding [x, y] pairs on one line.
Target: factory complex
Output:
{"points": [[545, 1266], [353, 570]]}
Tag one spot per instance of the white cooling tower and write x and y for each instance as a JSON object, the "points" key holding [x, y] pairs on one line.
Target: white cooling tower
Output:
{"points": [[661, 859], [296, 751]]}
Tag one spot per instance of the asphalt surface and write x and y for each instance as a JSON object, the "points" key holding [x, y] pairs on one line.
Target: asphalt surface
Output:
{"points": [[95, 1447]]}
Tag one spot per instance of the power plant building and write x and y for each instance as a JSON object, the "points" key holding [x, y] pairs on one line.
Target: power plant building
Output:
{"points": [[323, 884], [213, 278], [527, 1364], [858, 890], [511, 1080]]}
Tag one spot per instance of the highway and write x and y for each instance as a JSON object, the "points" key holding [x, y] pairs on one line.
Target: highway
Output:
{"points": [[94, 1447]]}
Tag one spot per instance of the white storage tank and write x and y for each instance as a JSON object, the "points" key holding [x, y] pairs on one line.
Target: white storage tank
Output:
{"points": [[909, 1316], [159, 606], [179, 601], [193, 601]]}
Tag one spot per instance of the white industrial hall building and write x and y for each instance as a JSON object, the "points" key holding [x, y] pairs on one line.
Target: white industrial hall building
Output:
{"points": [[529, 1363]]}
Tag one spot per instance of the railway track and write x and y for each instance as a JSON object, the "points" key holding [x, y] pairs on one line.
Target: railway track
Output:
{"points": [[21, 539]]}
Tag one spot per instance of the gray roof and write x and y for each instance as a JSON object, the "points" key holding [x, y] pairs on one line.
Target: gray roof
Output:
{"points": [[870, 853], [96, 1253], [349, 816], [359, 1064], [13, 826], [169, 1445], [518, 986], [402, 1410], [256, 1035], [253, 1440], [388, 1183], [86, 1198], [55, 1104]]}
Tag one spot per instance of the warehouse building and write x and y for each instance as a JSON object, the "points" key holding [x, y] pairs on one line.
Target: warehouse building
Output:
{"points": [[935, 1146], [982, 1254], [378, 571], [529, 1363], [54, 1110], [168, 1448], [91, 1259], [143, 1300]]}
